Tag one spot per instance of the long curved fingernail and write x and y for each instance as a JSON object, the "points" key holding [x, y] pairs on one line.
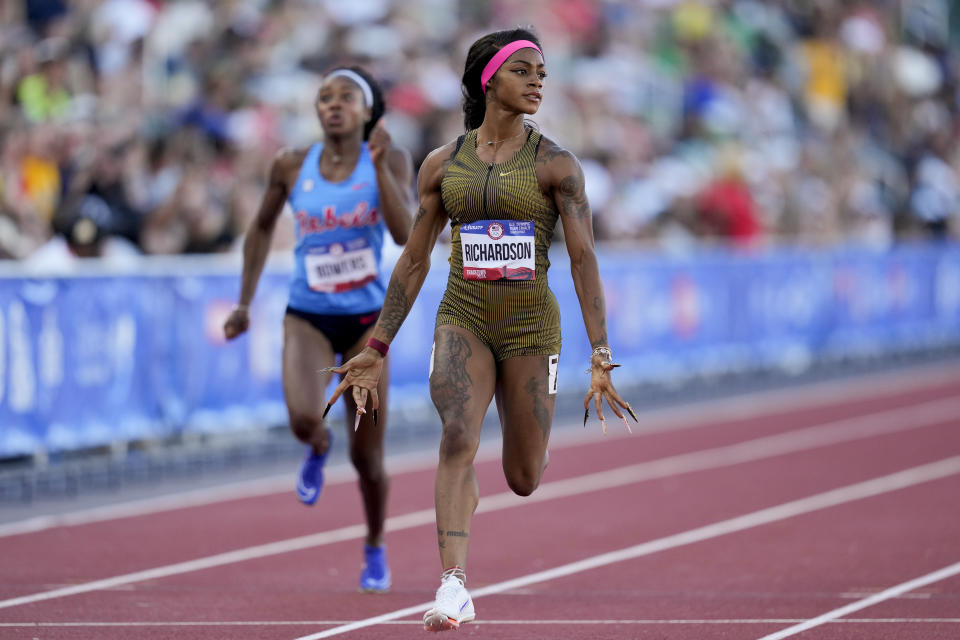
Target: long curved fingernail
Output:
{"points": [[374, 417], [326, 411], [356, 422], [626, 424], [603, 425], [632, 414], [586, 414]]}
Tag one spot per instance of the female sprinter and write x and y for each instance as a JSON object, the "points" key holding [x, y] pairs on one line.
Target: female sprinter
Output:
{"points": [[344, 193], [502, 186]]}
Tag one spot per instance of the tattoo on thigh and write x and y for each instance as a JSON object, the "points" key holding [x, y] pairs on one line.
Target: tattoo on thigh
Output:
{"points": [[537, 388], [450, 382]]}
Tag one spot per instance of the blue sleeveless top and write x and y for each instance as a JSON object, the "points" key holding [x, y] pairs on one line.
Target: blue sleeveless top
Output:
{"points": [[339, 239]]}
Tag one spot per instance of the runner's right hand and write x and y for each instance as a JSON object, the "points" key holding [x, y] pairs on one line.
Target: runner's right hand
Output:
{"points": [[237, 322], [362, 372]]}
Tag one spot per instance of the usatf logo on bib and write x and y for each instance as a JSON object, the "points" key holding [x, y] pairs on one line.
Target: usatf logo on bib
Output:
{"points": [[498, 250]]}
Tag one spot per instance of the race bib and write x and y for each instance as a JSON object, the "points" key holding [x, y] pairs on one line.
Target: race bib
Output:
{"points": [[340, 266], [498, 250]]}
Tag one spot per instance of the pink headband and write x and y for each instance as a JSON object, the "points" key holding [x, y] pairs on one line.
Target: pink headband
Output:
{"points": [[501, 56]]}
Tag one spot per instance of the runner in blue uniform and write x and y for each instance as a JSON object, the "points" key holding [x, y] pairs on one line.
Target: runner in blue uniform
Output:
{"points": [[344, 192]]}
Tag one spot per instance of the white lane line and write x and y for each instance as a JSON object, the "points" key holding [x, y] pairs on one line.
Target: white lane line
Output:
{"points": [[877, 598], [735, 407], [836, 432], [159, 504], [351, 532], [908, 418], [850, 493], [267, 485], [606, 621]]}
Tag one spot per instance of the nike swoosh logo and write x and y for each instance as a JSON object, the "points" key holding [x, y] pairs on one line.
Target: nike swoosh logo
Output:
{"points": [[464, 605], [307, 493], [506, 173]]}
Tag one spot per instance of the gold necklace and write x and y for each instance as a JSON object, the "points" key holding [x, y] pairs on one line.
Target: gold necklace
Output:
{"points": [[491, 142]]}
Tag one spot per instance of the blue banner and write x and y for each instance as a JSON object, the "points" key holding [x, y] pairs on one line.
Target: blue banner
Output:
{"points": [[95, 359]]}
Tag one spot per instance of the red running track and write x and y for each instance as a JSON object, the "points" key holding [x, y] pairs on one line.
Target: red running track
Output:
{"points": [[825, 512]]}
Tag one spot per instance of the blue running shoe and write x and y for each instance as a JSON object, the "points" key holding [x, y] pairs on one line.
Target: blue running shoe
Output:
{"points": [[310, 478], [376, 574]]}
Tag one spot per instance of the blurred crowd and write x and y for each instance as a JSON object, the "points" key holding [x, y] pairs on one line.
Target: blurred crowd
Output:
{"points": [[131, 127]]}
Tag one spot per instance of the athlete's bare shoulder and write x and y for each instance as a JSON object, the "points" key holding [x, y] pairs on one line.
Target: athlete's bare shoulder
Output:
{"points": [[286, 164], [445, 154], [287, 157], [435, 164], [550, 153]]}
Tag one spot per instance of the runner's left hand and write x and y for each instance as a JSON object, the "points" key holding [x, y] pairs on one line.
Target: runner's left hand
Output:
{"points": [[379, 144], [601, 387]]}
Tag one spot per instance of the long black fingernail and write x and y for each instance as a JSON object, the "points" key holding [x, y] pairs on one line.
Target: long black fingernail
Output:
{"points": [[632, 414], [326, 411], [374, 417], [586, 414]]}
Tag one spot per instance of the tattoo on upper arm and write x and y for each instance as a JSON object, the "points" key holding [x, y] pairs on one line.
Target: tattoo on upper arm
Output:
{"points": [[420, 213], [548, 152], [572, 198]]}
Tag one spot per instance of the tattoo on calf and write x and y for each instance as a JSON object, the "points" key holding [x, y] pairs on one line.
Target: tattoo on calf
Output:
{"points": [[442, 543]]}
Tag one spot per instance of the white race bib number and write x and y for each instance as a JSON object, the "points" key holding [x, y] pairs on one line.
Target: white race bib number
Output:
{"points": [[498, 250], [340, 266]]}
